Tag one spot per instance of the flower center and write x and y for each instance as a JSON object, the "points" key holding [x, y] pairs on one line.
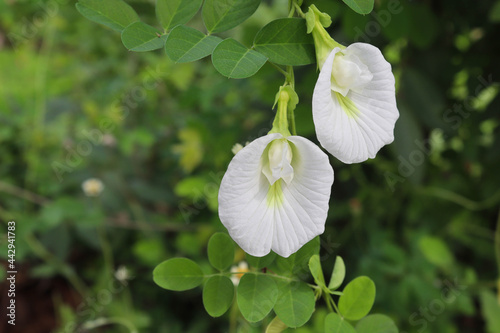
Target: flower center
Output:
{"points": [[349, 72], [279, 165]]}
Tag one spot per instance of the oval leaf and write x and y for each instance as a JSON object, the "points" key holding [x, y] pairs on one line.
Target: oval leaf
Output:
{"points": [[178, 274], [234, 60], [185, 44], [286, 42], [336, 324], [436, 251], [220, 251], [226, 14], [256, 296], [360, 6], [316, 271], [338, 274], [140, 37], [298, 262], [276, 326], [174, 12], [115, 14], [261, 262], [295, 304], [357, 298], [376, 323], [218, 294]]}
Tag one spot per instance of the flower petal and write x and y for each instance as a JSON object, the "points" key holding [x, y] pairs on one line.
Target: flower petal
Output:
{"points": [[354, 128], [243, 207], [302, 214], [283, 216]]}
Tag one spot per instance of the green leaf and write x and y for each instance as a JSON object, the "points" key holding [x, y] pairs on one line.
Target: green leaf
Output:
{"points": [[257, 295], [115, 14], [286, 42], [436, 251], [495, 12], [234, 60], [423, 35], [317, 271], [490, 310], [338, 274], [298, 262], [218, 294], [175, 12], [357, 298], [178, 274], [185, 44], [336, 324], [140, 37], [261, 262], [220, 251], [276, 326], [360, 6], [295, 304], [222, 15], [376, 323]]}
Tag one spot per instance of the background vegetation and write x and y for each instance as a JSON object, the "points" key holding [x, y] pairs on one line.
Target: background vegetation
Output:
{"points": [[420, 219]]}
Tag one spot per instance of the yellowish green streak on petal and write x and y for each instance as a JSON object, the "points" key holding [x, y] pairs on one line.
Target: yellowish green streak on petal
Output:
{"points": [[275, 194], [348, 106]]}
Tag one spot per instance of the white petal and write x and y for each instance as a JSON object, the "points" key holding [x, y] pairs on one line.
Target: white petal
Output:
{"points": [[354, 128], [243, 208], [304, 209], [258, 220]]}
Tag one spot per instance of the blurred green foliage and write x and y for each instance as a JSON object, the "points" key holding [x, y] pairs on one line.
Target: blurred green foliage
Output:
{"points": [[75, 104]]}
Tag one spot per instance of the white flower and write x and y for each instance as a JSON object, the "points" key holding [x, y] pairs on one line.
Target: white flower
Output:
{"points": [[239, 270], [354, 103], [275, 193], [122, 274], [92, 187]]}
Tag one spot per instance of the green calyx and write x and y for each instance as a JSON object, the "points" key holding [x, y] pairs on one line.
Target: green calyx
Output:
{"points": [[323, 42], [287, 100]]}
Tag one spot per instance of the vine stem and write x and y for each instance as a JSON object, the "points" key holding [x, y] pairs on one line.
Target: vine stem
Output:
{"points": [[113, 320], [299, 10], [497, 253], [280, 70], [40, 250]]}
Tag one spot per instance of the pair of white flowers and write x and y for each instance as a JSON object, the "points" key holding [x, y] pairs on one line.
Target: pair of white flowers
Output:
{"points": [[275, 193]]}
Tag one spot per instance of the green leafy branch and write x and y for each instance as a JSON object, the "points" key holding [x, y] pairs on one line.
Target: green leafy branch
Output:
{"points": [[283, 41], [276, 284]]}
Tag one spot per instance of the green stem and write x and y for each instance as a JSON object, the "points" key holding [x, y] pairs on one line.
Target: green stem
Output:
{"points": [[291, 8], [497, 252], [67, 271], [291, 114], [107, 321], [256, 273], [233, 316], [107, 251], [280, 70], [460, 200], [299, 10]]}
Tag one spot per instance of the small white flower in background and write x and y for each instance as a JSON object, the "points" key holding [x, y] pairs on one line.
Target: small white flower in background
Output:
{"points": [[122, 274], [92, 187], [275, 193], [354, 100], [108, 140], [241, 269], [236, 148]]}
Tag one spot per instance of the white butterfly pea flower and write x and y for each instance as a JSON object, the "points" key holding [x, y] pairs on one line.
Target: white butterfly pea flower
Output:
{"points": [[275, 194], [354, 100]]}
